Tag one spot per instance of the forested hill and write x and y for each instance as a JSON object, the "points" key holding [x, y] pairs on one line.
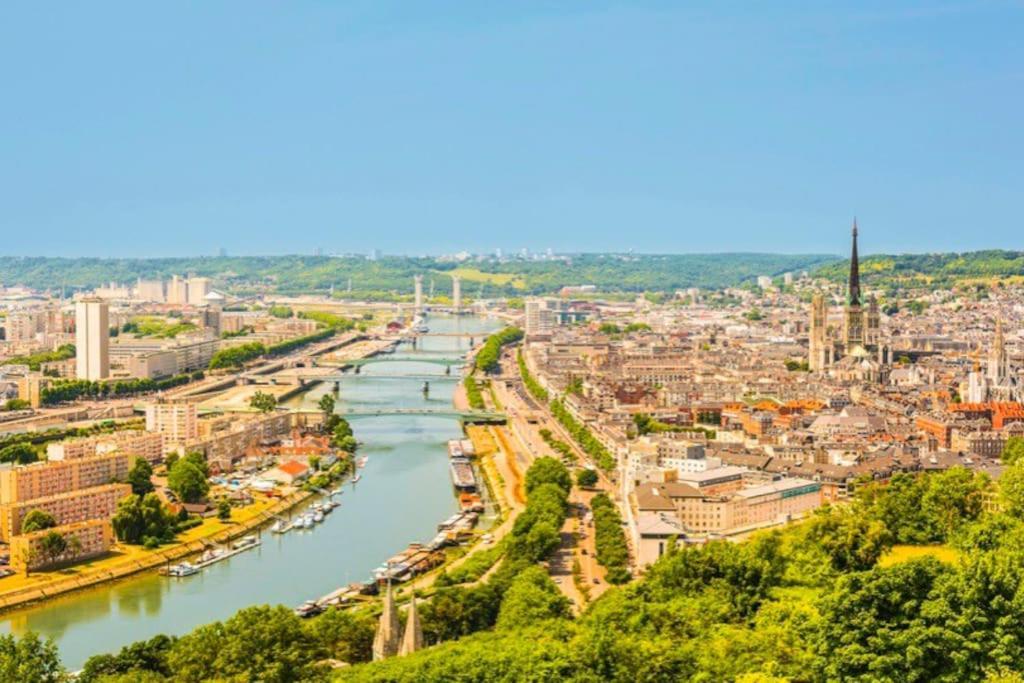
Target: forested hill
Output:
{"points": [[391, 275], [934, 269]]}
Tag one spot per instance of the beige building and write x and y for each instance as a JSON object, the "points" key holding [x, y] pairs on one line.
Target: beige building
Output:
{"points": [[225, 440], [178, 423], [147, 445], [96, 503], [150, 290], [177, 291], [94, 538], [92, 339], [198, 288], [43, 479]]}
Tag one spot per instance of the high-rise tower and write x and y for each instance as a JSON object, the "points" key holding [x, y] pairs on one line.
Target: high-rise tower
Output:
{"points": [[417, 281], [92, 339], [456, 292]]}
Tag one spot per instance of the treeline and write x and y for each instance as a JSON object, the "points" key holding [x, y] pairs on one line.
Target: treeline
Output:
{"points": [[531, 383], [489, 355], [237, 356], [610, 540], [35, 360], [473, 395], [390, 278], [289, 345], [934, 270], [73, 389], [583, 436]]}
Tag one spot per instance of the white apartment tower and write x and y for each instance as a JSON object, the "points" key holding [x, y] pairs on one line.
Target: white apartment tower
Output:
{"points": [[456, 292], [92, 339], [417, 281]]}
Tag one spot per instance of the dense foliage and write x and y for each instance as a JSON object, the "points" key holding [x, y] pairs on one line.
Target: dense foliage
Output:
{"points": [[473, 395], [586, 440], [811, 602], [35, 360], [489, 355], [529, 381], [610, 539], [237, 356], [143, 520]]}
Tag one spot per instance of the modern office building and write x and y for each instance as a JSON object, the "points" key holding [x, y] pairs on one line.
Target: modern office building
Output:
{"points": [[92, 339]]}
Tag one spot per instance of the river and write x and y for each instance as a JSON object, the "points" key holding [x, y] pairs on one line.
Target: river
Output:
{"points": [[404, 492]]}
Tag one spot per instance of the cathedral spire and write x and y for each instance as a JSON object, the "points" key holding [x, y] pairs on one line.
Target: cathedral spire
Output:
{"points": [[853, 296]]}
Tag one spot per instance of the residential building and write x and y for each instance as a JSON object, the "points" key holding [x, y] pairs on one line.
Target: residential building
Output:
{"points": [[94, 538], [92, 339], [42, 479], [98, 502], [177, 422]]}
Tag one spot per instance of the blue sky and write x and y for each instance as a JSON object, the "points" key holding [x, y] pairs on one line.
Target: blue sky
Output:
{"points": [[147, 129]]}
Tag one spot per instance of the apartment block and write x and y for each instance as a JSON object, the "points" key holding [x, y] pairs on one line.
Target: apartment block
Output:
{"points": [[146, 445], [43, 479], [96, 503], [95, 537], [178, 423]]}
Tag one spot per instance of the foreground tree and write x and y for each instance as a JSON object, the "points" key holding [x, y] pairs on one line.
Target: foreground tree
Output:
{"points": [[37, 520], [30, 660], [188, 481], [140, 477]]}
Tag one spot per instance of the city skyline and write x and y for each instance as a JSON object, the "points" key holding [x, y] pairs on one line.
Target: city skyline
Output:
{"points": [[604, 127]]}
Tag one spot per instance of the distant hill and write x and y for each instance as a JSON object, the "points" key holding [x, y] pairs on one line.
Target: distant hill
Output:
{"points": [[938, 270], [391, 276]]}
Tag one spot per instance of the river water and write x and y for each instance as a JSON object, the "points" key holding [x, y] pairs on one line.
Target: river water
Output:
{"points": [[404, 492]]}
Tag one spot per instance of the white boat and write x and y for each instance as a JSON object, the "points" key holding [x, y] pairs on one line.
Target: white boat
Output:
{"points": [[210, 555], [356, 478], [361, 462], [318, 517], [278, 527], [245, 542], [337, 492], [183, 569]]}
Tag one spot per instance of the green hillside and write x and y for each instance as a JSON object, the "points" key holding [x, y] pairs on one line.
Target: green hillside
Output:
{"points": [[392, 276], [937, 270]]}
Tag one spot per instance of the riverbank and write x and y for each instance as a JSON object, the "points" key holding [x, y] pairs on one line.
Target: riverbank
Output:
{"points": [[125, 561]]}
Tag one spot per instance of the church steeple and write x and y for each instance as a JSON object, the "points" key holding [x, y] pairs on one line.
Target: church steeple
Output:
{"points": [[853, 295]]}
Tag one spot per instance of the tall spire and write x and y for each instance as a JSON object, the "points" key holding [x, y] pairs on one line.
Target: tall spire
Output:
{"points": [[853, 296], [412, 639], [385, 642]]}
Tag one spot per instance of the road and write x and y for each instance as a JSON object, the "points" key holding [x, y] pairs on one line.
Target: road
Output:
{"points": [[526, 419]]}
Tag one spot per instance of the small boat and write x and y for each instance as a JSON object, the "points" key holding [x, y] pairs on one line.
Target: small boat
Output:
{"points": [[278, 527], [246, 542], [318, 517], [302, 522], [210, 555], [308, 609], [356, 478], [183, 569], [337, 492], [361, 462]]}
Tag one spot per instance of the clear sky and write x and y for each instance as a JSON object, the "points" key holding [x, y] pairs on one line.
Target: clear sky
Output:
{"points": [[177, 128]]}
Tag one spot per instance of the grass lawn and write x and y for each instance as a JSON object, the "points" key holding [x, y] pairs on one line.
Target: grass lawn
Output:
{"points": [[499, 279], [902, 553]]}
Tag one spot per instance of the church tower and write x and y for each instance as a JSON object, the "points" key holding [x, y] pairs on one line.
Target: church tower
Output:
{"points": [[998, 364], [818, 356], [853, 318]]}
